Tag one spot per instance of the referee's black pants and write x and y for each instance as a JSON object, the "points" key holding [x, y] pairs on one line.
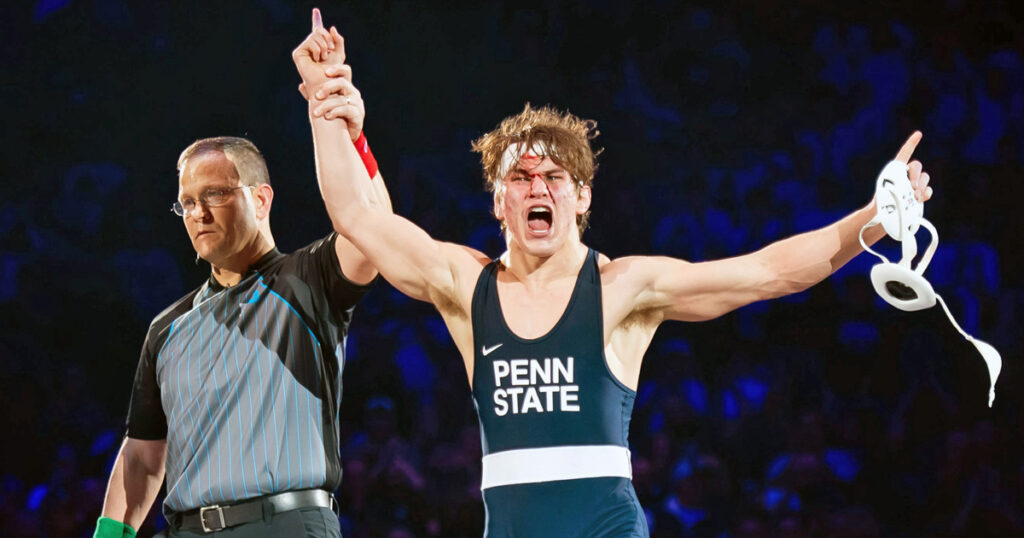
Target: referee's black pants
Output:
{"points": [[312, 522]]}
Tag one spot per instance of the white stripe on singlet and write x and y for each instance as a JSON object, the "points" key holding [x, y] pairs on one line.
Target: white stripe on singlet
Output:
{"points": [[532, 465]]}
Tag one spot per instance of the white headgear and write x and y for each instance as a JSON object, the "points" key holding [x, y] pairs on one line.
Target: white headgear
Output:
{"points": [[900, 214], [516, 151]]}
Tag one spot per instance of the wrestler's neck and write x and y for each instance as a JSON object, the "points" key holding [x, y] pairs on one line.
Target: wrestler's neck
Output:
{"points": [[230, 271], [528, 267]]}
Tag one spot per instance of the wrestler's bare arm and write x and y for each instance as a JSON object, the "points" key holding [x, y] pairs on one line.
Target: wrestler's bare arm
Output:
{"points": [[411, 260], [419, 266], [320, 50], [667, 288]]}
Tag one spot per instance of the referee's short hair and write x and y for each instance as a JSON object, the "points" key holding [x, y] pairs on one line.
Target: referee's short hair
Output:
{"points": [[248, 161]]}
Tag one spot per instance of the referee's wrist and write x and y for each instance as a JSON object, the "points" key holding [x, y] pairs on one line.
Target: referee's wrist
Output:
{"points": [[112, 528]]}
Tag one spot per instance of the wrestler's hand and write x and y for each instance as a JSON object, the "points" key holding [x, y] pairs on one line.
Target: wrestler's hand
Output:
{"points": [[918, 177], [320, 49], [338, 98]]}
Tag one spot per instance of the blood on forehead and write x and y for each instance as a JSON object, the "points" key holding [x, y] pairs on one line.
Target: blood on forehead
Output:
{"points": [[530, 156], [528, 163]]}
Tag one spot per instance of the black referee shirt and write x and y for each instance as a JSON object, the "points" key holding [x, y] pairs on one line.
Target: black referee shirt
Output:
{"points": [[245, 382]]}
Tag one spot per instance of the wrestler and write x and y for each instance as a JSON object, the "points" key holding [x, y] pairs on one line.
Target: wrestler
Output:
{"points": [[553, 334]]}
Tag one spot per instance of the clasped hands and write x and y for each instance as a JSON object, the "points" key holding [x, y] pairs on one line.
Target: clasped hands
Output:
{"points": [[327, 79]]}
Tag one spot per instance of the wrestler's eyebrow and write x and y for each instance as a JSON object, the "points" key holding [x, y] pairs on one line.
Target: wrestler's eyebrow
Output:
{"points": [[551, 172]]}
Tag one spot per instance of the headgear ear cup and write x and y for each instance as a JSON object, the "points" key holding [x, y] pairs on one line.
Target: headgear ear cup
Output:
{"points": [[902, 286]]}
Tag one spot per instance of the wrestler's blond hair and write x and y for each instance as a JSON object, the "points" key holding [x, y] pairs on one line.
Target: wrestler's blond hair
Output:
{"points": [[564, 136]]}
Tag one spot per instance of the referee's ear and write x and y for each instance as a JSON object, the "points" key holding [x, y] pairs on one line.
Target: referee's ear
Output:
{"points": [[262, 198]]}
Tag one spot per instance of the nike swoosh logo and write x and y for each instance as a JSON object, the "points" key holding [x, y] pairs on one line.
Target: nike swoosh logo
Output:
{"points": [[487, 350]]}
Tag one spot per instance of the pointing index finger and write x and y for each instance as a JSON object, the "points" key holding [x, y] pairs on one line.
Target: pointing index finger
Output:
{"points": [[908, 147], [318, 21]]}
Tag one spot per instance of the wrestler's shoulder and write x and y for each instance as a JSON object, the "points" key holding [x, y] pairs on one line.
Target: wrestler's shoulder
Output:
{"points": [[633, 271], [466, 251], [632, 262]]}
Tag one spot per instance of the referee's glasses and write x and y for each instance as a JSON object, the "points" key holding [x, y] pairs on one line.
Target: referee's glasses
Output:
{"points": [[209, 198]]}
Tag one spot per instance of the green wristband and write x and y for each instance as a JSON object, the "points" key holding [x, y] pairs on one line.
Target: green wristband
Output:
{"points": [[111, 528]]}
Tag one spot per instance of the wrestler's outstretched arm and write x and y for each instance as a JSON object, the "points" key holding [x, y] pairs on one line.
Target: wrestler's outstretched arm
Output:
{"points": [[699, 291], [419, 266], [320, 50]]}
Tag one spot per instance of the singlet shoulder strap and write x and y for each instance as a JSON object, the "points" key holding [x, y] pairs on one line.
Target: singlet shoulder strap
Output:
{"points": [[485, 296], [587, 295], [591, 273]]}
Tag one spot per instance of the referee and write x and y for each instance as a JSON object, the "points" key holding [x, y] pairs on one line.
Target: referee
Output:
{"points": [[235, 400]]}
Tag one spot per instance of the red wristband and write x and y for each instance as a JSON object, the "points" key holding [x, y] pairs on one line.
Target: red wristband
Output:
{"points": [[363, 148]]}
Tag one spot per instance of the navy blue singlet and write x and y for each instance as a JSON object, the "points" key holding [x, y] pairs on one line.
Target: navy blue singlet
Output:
{"points": [[554, 422]]}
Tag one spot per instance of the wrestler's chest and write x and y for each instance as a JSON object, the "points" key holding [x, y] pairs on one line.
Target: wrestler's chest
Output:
{"points": [[530, 314]]}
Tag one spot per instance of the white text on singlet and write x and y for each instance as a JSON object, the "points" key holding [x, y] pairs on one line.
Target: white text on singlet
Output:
{"points": [[534, 385]]}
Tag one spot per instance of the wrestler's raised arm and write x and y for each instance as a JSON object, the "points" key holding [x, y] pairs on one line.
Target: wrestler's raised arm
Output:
{"points": [[699, 291], [324, 49], [419, 266]]}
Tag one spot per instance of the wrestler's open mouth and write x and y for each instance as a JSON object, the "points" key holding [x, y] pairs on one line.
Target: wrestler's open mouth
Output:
{"points": [[539, 219]]}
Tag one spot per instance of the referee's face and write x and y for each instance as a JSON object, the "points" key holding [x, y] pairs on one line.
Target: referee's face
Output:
{"points": [[223, 221]]}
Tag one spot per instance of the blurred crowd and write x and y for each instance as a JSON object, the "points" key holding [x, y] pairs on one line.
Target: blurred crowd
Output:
{"points": [[827, 413]]}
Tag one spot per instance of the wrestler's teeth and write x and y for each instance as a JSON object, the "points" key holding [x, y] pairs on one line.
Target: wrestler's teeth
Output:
{"points": [[539, 219]]}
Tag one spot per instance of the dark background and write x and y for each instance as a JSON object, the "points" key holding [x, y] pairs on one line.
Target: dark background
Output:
{"points": [[725, 126]]}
